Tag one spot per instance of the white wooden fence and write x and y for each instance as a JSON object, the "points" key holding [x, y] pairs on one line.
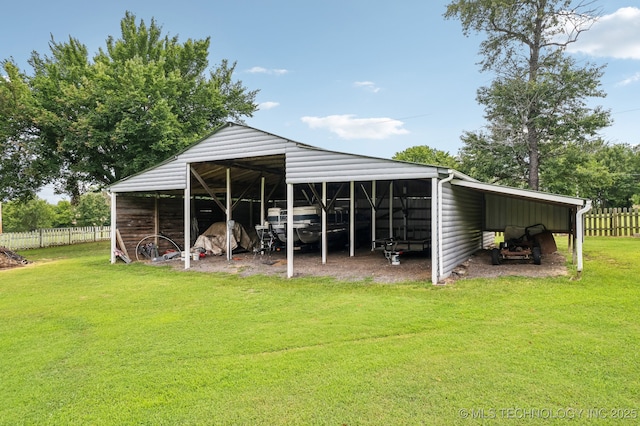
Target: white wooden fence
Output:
{"points": [[54, 237]]}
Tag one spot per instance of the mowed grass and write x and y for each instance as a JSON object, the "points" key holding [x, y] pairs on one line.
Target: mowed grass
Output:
{"points": [[86, 342]]}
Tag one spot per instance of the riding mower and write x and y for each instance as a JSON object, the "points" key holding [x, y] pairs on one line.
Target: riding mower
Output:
{"points": [[532, 244]]}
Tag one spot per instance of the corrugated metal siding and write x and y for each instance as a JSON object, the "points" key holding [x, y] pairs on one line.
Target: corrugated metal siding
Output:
{"points": [[308, 165], [501, 211], [168, 176], [488, 239], [230, 142], [418, 221], [235, 141], [461, 225]]}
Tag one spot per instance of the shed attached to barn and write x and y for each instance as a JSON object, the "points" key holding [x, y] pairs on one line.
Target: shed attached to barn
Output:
{"points": [[240, 174]]}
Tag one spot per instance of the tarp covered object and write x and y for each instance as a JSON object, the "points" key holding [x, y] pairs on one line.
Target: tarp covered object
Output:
{"points": [[214, 239]]}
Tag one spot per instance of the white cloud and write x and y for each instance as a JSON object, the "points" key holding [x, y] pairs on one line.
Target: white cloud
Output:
{"points": [[346, 126], [616, 36], [268, 105], [272, 71], [367, 85], [634, 78]]}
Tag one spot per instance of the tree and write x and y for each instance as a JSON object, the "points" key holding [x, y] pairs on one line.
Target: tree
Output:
{"points": [[138, 101], [606, 173], [63, 215], [427, 155], [21, 216], [537, 103], [23, 166], [623, 163], [93, 210]]}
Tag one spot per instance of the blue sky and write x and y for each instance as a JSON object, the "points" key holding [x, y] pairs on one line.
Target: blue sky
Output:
{"points": [[361, 76]]}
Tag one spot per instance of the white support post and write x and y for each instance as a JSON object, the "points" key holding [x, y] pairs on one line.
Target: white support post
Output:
{"points": [[289, 230], [113, 227], [580, 234], [229, 215], [156, 219], [262, 201], [352, 219], [391, 209], [187, 218], [435, 237], [324, 223], [373, 215]]}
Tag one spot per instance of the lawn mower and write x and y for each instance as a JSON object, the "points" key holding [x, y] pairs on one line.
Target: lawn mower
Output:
{"points": [[528, 245]]}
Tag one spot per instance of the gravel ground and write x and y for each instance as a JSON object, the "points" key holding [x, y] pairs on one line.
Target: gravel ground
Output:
{"points": [[368, 265]]}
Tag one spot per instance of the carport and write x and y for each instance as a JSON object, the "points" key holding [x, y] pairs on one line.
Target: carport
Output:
{"points": [[237, 173], [504, 206]]}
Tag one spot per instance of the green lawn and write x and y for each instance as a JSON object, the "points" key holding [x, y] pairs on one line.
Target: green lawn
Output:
{"points": [[86, 342]]}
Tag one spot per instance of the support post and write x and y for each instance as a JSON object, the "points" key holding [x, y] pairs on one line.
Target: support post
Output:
{"points": [[373, 215], [229, 210], [187, 218], [113, 227], [580, 234], [324, 223], [352, 218], [435, 237], [262, 201], [391, 209], [289, 230], [156, 219]]}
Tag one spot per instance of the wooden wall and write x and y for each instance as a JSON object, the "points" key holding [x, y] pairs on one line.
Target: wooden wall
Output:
{"points": [[141, 215], [138, 216]]}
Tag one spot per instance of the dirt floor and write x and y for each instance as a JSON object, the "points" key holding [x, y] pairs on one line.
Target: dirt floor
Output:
{"points": [[368, 265]]}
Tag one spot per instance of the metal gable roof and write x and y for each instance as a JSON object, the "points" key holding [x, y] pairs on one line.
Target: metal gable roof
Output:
{"points": [[521, 193], [249, 151], [236, 146]]}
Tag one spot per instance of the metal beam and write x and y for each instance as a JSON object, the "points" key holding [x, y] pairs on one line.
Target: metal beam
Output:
{"points": [[245, 191], [206, 188]]}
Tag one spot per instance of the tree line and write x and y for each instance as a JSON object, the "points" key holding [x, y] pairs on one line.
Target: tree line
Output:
{"points": [[92, 209]]}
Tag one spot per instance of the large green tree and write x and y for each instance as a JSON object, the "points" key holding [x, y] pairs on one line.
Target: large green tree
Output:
{"points": [[427, 155], [23, 160], [537, 102], [140, 99]]}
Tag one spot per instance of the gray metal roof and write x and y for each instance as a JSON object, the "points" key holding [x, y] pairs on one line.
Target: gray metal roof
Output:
{"points": [[252, 153]]}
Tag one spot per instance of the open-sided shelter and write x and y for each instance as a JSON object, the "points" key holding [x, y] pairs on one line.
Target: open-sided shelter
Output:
{"points": [[237, 173]]}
